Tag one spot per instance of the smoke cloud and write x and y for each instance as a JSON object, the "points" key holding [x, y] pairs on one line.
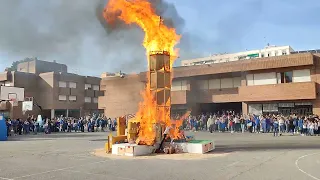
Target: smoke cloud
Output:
{"points": [[74, 32]]}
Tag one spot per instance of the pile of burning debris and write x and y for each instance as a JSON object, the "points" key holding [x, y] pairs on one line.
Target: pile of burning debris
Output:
{"points": [[145, 131]]}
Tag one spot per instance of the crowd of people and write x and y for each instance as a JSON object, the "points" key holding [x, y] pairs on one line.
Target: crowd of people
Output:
{"points": [[270, 123], [227, 121], [90, 123]]}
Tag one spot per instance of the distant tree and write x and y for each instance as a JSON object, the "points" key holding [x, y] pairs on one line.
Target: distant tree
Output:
{"points": [[14, 65]]}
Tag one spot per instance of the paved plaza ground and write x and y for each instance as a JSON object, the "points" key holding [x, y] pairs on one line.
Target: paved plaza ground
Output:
{"points": [[237, 156]]}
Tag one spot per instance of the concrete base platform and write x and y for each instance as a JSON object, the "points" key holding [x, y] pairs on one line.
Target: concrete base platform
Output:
{"points": [[195, 146], [127, 149]]}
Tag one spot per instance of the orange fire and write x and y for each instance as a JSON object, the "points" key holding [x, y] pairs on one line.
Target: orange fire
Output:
{"points": [[158, 37]]}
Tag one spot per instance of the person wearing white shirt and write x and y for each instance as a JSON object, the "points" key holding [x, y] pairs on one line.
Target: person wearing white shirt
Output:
{"points": [[315, 124], [237, 123], [210, 123], [281, 125], [311, 128]]}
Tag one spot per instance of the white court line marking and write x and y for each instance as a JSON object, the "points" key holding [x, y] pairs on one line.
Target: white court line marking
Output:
{"points": [[55, 170], [301, 157], [3, 178]]}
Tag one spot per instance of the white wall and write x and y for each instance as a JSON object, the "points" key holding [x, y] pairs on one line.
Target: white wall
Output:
{"points": [[176, 86], [219, 58], [226, 83], [236, 81], [214, 84], [275, 78], [265, 78], [249, 78], [203, 84], [179, 85], [219, 83], [301, 75], [184, 85], [261, 79]]}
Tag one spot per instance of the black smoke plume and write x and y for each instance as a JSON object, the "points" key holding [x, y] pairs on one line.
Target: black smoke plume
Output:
{"points": [[73, 32]]}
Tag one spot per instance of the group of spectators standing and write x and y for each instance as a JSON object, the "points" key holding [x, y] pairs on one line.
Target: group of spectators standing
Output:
{"points": [[212, 122], [90, 123], [271, 123]]}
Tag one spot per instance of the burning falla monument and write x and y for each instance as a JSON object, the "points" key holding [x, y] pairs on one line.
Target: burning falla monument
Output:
{"points": [[145, 130]]}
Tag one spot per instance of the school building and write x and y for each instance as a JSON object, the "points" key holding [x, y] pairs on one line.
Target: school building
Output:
{"points": [[279, 84], [51, 90]]}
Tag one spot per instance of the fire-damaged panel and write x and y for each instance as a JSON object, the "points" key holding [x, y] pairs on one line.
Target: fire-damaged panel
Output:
{"points": [[160, 80], [156, 62], [159, 61], [166, 60], [161, 96]]}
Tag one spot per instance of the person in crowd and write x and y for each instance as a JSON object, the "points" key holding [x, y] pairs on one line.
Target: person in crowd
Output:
{"points": [[243, 123], [15, 127], [36, 126], [250, 124], [291, 126], [9, 124], [300, 125], [19, 126], [210, 124], [305, 128], [75, 125], [69, 127], [264, 124], [237, 123], [231, 125], [281, 124], [256, 123], [223, 121], [276, 127]]}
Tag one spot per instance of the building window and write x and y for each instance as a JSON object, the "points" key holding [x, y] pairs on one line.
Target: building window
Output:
{"points": [[95, 87], [62, 84], [72, 85], [284, 52], [87, 99], [269, 54], [286, 77], [62, 97], [270, 108], [262, 55], [87, 86], [95, 100], [72, 98]]}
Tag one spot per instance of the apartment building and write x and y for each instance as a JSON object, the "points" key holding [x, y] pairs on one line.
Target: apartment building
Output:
{"points": [[267, 51], [53, 90], [277, 84]]}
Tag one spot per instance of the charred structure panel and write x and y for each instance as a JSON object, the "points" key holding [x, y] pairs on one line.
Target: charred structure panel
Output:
{"points": [[160, 81]]}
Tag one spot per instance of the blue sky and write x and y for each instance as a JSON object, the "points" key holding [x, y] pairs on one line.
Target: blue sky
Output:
{"points": [[237, 25], [68, 31]]}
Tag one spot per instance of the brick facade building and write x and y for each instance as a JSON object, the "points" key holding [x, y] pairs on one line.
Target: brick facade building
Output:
{"points": [[53, 90], [283, 84]]}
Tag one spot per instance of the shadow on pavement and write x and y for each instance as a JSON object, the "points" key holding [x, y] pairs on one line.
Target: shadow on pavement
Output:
{"points": [[264, 147]]}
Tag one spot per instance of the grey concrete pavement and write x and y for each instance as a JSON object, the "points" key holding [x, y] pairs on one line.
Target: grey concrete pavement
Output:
{"points": [[245, 156]]}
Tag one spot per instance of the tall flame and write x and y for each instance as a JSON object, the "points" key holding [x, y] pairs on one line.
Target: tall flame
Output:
{"points": [[158, 37]]}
